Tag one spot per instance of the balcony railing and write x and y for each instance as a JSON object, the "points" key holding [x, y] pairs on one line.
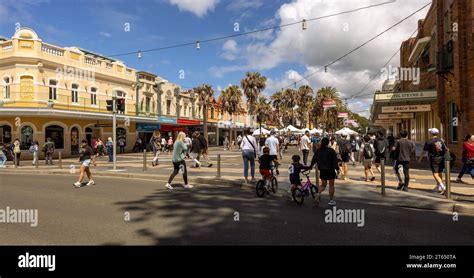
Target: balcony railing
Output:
{"points": [[46, 48], [91, 61], [6, 46]]}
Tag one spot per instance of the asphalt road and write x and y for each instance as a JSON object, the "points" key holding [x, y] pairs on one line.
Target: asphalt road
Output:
{"points": [[206, 215]]}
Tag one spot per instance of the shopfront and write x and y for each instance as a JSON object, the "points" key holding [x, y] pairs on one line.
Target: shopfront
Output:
{"points": [[145, 131]]}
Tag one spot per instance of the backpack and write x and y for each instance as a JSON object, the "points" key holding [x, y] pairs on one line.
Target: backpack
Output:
{"points": [[368, 153], [346, 147], [381, 148], [32, 149]]}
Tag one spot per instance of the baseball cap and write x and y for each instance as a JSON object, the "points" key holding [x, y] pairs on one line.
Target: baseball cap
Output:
{"points": [[433, 130]]}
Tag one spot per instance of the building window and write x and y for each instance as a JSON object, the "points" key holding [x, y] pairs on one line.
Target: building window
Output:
{"points": [[5, 134], [53, 90], [56, 133], [453, 129], [7, 83], [168, 106], [74, 93], [141, 105], [147, 104], [185, 110], [93, 96], [212, 112], [26, 137], [26, 87]]}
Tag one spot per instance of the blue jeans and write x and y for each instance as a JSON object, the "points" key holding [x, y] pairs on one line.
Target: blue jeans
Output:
{"points": [[466, 169], [3, 159], [110, 152], [249, 156]]}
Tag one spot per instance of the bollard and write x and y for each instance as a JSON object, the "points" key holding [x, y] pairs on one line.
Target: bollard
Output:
{"points": [[144, 160], [60, 160], [382, 175], [15, 160], [316, 174], [448, 178], [218, 165], [36, 161]]}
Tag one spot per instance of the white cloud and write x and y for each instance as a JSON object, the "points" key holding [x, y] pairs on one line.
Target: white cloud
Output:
{"points": [[230, 50], [240, 5], [198, 7], [105, 34]]}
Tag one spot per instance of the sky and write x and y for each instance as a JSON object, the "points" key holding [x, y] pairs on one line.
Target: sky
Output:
{"points": [[284, 55]]}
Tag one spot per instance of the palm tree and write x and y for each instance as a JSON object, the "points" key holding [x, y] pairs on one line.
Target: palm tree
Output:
{"points": [[253, 84], [230, 100], [278, 104], [304, 97], [328, 116], [204, 93], [290, 98], [263, 109]]}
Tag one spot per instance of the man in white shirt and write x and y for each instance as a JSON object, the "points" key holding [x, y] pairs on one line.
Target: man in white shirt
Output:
{"points": [[305, 146], [274, 145]]}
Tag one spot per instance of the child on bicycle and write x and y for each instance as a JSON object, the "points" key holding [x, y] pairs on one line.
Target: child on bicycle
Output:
{"points": [[266, 162], [295, 169]]}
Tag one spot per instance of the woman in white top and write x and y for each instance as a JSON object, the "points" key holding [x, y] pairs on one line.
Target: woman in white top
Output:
{"points": [[249, 152]]}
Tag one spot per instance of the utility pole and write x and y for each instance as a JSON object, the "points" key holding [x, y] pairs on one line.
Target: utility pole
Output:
{"points": [[114, 129]]}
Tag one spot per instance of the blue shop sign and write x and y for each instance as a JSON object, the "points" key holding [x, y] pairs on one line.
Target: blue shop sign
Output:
{"points": [[167, 120], [147, 127]]}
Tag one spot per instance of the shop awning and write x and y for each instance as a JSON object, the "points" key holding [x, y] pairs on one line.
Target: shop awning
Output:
{"points": [[418, 49]]}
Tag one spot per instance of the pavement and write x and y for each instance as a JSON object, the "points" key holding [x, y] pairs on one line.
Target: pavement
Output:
{"points": [[119, 211], [130, 166]]}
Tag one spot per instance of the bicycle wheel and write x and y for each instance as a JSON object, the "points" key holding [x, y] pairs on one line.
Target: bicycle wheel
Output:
{"points": [[298, 196], [274, 185], [260, 188], [314, 190]]}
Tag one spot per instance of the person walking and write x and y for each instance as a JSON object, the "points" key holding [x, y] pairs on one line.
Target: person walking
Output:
{"points": [[179, 164], [467, 158], [239, 141], [381, 147], [34, 150], [121, 142], [48, 149], [86, 157], [345, 150], [354, 150], [326, 160], [436, 150], [170, 144], [226, 143], [366, 157], [100, 148], [163, 144], [249, 153], [195, 151], [403, 150], [17, 151], [305, 146], [189, 143], [3, 157], [274, 145], [204, 149], [110, 149], [155, 143]]}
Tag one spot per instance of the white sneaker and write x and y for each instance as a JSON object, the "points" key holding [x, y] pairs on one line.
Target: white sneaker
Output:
{"points": [[91, 182], [169, 186], [188, 186], [77, 184], [332, 203], [436, 189]]}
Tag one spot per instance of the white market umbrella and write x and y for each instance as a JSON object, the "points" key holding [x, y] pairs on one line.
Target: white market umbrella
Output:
{"points": [[347, 131], [315, 130], [264, 131], [292, 129]]}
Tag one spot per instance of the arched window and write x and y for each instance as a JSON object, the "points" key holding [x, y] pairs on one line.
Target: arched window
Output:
{"points": [[93, 96], [53, 90], [147, 104], [75, 141], [26, 137], [5, 134], [6, 84], [75, 93], [56, 133]]}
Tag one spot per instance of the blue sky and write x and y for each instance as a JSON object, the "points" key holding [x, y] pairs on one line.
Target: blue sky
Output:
{"points": [[284, 56]]}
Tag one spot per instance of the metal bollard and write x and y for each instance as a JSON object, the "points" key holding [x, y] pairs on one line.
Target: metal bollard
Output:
{"points": [[448, 178], [218, 165], [316, 174], [382, 175], [15, 160], [60, 160], [36, 161], [144, 160]]}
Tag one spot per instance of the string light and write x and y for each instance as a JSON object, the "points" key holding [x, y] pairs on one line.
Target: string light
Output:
{"points": [[304, 25], [139, 54], [198, 45]]}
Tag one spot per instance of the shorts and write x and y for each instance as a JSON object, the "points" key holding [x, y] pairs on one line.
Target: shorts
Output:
{"points": [[265, 173], [274, 157], [327, 175], [377, 160], [86, 162], [437, 166], [345, 157], [367, 162]]}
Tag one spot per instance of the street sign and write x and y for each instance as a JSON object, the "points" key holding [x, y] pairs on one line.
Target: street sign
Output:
{"points": [[420, 95], [396, 116], [328, 103], [406, 108], [387, 122], [342, 115]]}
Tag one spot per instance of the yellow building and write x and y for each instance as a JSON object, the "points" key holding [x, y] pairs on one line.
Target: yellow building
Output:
{"points": [[60, 93]]}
